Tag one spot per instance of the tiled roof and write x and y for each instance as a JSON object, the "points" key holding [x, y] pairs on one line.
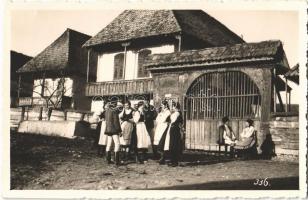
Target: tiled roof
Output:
{"points": [[133, 24], [293, 74], [294, 71], [238, 52], [58, 55]]}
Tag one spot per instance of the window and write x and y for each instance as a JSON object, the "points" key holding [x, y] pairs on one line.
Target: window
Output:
{"points": [[142, 72], [118, 66]]}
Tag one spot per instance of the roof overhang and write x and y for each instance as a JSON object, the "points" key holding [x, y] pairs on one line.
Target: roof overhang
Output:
{"points": [[187, 66]]}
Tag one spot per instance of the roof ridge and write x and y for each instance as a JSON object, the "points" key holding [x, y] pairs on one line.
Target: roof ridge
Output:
{"points": [[176, 20], [260, 50], [78, 32], [64, 35]]}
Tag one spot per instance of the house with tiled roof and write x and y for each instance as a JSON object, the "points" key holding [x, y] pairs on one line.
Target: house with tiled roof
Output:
{"points": [[59, 73], [17, 61], [190, 57], [124, 43]]}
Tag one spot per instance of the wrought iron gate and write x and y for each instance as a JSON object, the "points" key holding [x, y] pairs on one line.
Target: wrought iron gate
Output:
{"points": [[213, 96]]}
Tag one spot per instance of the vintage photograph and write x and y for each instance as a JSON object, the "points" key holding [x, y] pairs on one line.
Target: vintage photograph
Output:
{"points": [[161, 99]]}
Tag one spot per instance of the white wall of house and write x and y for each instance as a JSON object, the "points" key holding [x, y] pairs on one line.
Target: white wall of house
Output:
{"points": [[105, 68], [51, 86]]}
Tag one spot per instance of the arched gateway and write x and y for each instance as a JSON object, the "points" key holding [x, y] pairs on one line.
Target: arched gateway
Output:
{"points": [[215, 95]]}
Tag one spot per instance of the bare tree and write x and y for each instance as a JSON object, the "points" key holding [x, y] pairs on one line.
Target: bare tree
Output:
{"points": [[51, 94]]}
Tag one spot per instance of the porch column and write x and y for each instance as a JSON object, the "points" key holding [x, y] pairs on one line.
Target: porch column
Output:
{"points": [[290, 100], [125, 45], [274, 89], [286, 90], [88, 65], [18, 89], [266, 100], [43, 85], [178, 37]]}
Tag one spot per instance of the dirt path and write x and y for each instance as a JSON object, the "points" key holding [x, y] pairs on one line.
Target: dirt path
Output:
{"points": [[40, 162]]}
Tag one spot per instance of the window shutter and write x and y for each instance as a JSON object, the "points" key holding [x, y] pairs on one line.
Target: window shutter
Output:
{"points": [[142, 72], [118, 66]]}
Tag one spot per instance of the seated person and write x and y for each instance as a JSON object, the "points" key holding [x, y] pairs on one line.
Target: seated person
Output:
{"points": [[227, 133], [247, 137]]}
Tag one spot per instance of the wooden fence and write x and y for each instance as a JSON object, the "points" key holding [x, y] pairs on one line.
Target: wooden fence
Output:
{"points": [[203, 134]]}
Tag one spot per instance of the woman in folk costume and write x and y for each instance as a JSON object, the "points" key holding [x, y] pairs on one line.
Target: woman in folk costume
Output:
{"points": [[127, 126], [226, 131], [174, 134], [113, 130], [143, 138], [102, 142], [150, 115], [97, 119], [162, 119], [247, 136]]}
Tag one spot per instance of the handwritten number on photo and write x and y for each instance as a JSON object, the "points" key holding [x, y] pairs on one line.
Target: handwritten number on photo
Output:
{"points": [[262, 182]]}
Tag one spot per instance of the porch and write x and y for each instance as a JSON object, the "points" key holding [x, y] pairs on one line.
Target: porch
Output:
{"points": [[60, 102], [120, 87]]}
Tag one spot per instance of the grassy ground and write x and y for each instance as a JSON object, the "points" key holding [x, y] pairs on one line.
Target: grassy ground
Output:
{"points": [[42, 162]]}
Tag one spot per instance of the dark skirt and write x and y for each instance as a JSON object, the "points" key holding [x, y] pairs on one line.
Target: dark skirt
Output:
{"points": [[111, 134], [161, 144], [133, 142], [175, 139]]}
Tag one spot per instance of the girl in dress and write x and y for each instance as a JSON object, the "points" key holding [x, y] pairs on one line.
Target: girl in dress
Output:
{"points": [[227, 133], [113, 130], [127, 126], [174, 134], [143, 138], [247, 137], [162, 119], [102, 142]]}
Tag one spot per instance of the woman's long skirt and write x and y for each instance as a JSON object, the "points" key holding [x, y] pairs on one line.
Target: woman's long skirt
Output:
{"points": [[164, 142], [245, 143], [160, 130], [143, 138], [175, 144], [127, 129], [102, 137]]}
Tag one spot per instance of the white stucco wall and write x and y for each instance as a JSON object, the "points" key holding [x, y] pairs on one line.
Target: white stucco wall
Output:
{"points": [[51, 85], [105, 63]]}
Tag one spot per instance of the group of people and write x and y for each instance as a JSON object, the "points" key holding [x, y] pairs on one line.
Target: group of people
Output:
{"points": [[229, 138], [130, 131]]}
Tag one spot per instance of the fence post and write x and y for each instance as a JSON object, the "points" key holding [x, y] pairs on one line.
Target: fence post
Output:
{"points": [[65, 115], [82, 116], [22, 113], [41, 114], [49, 113]]}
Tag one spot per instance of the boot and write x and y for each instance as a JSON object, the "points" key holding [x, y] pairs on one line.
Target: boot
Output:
{"points": [[138, 160], [162, 160], [155, 153], [117, 158], [144, 156], [108, 157], [174, 160], [103, 150], [99, 150]]}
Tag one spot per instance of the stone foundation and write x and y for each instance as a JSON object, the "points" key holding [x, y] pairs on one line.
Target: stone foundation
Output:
{"points": [[68, 129], [285, 136]]}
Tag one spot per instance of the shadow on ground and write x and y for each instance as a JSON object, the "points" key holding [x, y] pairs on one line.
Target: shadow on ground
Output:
{"points": [[288, 183]]}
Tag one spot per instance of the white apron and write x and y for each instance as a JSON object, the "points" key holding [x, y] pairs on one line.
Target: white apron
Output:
{"points": [[102, 136]]}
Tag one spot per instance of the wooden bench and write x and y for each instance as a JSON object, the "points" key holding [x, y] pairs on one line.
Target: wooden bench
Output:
{"points": [[236, 151], [221, 142], [249, 150]]}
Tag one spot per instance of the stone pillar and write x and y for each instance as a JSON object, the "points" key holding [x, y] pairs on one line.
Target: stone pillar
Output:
{"points": [[266, 98]]}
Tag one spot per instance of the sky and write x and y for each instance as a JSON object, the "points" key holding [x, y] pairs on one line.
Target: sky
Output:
{"points": [[33, 30]]}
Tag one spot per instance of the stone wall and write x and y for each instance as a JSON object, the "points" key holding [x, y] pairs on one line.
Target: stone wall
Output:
{"points": [[285, 135]]}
